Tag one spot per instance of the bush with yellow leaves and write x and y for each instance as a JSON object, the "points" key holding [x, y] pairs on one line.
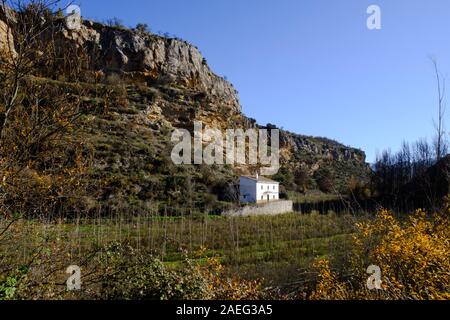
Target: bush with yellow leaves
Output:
{"points": [[413, 254], [223, 287]]}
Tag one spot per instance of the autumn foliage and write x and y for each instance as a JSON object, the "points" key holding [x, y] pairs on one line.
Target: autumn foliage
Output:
{"points": [[413, 254]]}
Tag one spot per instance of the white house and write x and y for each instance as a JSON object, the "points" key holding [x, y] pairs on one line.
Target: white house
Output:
{"points": [[258, 189]]}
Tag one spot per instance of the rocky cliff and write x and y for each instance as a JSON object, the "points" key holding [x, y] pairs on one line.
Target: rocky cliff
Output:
{"points": [[156, 60], [152, 58], [158, 84]]}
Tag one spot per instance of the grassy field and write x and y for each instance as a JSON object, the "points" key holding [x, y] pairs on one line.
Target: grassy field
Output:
{"points": [[278, 249]]}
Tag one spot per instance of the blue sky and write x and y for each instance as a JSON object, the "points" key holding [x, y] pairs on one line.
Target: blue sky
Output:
{"points": [[312, 66]]}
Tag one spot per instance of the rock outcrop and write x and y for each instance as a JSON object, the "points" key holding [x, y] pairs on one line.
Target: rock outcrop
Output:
{"points": [[7, 47], [323, 147], [152, 58], [165, 83]]}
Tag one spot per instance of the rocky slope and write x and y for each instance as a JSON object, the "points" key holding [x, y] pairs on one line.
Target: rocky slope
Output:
{"points": [[146, 57], [158, 84]]}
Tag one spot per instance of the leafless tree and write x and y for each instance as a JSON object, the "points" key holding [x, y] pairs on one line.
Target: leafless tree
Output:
{"points": [[25, 24], [36, 116], [422, 157], [440, 138]]}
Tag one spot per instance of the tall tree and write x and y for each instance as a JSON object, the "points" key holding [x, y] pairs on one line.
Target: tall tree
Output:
{"points": [[440, 138], [40, 162]]}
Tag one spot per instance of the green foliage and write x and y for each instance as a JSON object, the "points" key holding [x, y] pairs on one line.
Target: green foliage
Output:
{"points": [[155, 257], [302, 180], [325, 180], [137, 275], [8, 288], [412, 253], [286, 178]]}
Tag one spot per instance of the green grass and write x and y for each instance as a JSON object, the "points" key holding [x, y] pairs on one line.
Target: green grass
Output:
{"points": [[273, 248]]}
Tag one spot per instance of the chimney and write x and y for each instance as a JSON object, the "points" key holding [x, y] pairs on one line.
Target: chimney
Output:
{"points": [[257, 176]]}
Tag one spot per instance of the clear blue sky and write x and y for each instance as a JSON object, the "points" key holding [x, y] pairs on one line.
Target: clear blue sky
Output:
{"points": [[312, 66]]}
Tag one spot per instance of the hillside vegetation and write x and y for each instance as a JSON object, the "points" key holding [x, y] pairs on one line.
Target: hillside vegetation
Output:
{"points": [[86, 179], [282, 257], [128, 90]]}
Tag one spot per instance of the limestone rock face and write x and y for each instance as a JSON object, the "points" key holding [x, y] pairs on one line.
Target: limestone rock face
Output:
{"points": [[7, 49], [179, 88], [323, 147], [151, 57], [159, 60], [7, 46]]}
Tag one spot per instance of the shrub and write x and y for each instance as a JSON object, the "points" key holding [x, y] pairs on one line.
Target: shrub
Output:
{"points": [[221, 287], [413, 256], [358, 190], [328, 286], [115, 23], [137, 275], [286, 178], [143, 28], [301, 179], [325, 180]]}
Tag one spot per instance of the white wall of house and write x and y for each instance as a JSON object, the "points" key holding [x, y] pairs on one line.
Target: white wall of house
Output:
{"points": [[266, 191], [253, 191]]}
